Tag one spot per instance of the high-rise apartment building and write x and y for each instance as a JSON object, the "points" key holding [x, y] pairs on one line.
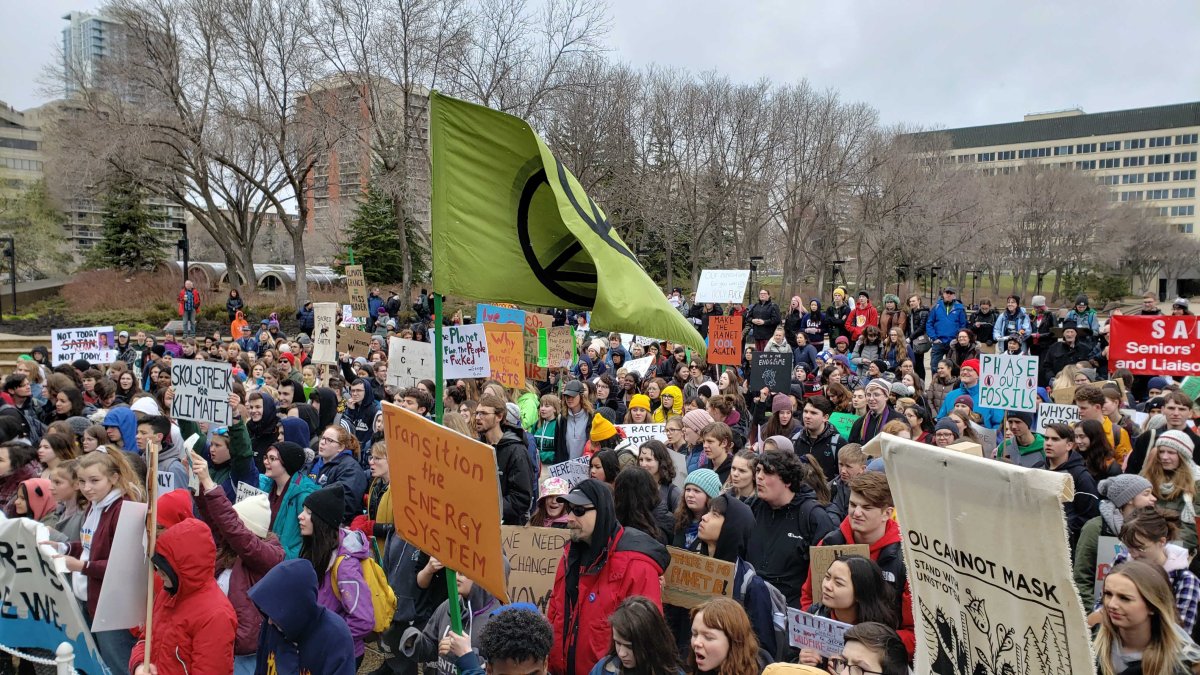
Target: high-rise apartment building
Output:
{"points": [[87, 40]]}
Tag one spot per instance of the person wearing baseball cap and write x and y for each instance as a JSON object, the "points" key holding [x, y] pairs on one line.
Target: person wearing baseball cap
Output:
{"points": [[968, 385], [946, 318], [1120, 496], [574, 427]]}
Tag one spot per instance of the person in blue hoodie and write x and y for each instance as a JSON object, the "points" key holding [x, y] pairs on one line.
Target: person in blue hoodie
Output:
{"points": [[946, 318], [121, 425], [299, 636], [968, 385]]}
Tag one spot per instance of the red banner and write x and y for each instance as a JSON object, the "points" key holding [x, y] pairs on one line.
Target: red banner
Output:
{"points": [[1155, 345], [725, 340]]}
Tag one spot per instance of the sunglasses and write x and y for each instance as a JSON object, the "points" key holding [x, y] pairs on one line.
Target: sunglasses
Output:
{"points": [[579, 511]]}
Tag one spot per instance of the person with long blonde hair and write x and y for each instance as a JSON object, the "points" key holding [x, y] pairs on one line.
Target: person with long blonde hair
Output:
{"points": [[1138, 631], [723, 641], [1172, 471]]}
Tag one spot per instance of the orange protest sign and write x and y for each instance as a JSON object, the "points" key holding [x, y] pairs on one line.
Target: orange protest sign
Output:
{"points": [[506, 353], [445, 496], [725, 340]]}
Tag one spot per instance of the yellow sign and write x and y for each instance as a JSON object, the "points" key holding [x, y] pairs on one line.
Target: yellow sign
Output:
{"points": [[506, 353]]}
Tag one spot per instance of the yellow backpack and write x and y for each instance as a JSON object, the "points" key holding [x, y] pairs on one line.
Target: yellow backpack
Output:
{"points": [[383, 598]]}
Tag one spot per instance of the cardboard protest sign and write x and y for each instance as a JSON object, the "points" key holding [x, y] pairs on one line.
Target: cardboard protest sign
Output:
{"points": [[772, 370], [409, 362], [967, 448], [560, 346], [246, 491], [1155, 345], [494, 314], [1010, 582], [1008, 382], [445, 497], [640, 366], [724, 286], [356, 286], [464, 352], [506, 353], [122, 606], [725, 340], [324, 335], [95, 345], [637, 434], [202, 391], [807, 631], [40, 611], [533, 555], [1107, 550], [573, 471], [356, 343], [821, 557], [843, 422], [534, 323], [1064, 395], [1050, 413], [692, 579]]}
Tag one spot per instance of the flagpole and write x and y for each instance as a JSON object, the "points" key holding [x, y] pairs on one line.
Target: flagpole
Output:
{"points": [[439, 410]]}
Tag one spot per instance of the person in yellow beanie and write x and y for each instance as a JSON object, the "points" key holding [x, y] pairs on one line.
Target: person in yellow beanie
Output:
{"points": [[639, 410], [672, 404], [604, 435]]}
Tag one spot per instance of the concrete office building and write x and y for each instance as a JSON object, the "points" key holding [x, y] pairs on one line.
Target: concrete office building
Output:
{"points": [[20, 148]]}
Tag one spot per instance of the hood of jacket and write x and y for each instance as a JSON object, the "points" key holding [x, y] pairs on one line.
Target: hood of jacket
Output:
{"points": [[353, 544], [310, 417], [39, 497], [122, 418], [735, 531], [287, 595], [327, 400], [676, 395], [189, 550], [173, 508], [270, 419], [634, 540], [296, 431], [891, 535]]}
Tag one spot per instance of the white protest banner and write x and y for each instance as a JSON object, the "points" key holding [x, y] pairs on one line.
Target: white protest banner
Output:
{"points": [[806, 631], [1008, 382], [573, 471], [202, 391], [724, 286], [123, 605], [246, 491], [409, 362], [95, 345], [325, 333], [1009, 582], [640, 366], [356, 286], [1107, 550], [637, 434], [1051, 413], [37, 608], [465, 352]]}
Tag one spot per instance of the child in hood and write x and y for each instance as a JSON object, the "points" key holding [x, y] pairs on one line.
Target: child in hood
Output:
{"points": [[36, 501]]}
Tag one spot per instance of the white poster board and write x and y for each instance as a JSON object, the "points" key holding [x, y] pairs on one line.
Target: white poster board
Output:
{"points": [[806, 631], [722, 286], [409, 362], [1050, 413], [325, 333], [202, 391], [573, 470], [640, 366], [96, 344], [636, 434], [1008, 382], [465, 352], [246, 491], [123, 605]]}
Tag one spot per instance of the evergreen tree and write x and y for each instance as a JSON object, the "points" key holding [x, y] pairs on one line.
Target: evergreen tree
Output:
{"points": [[374, 236], [130, 243], [28, 214]]}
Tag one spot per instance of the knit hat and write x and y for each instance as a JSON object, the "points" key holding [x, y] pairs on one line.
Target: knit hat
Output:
{"points": [[782, 443], [966, 400], [82, 365], [328, 504], [973, 364], [840, 291], [1120, 490], [1157, 382], [880, 383], [1178, 441], [602, 429], [890, 297], [881, 365], [696, 420], [705, 479], [79, 424], [639, 401], [512, 415], [291, 456], [1181, 303], [900, 389], [709, 389], [780, 402], [1038, 301], [1026, 417], [255, 514], [842, 339], [947, 424]]}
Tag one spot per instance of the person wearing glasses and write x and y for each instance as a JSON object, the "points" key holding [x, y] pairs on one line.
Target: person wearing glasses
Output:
{"points": [[604, 564], [512, 458], [337, 463], [870, 648]]}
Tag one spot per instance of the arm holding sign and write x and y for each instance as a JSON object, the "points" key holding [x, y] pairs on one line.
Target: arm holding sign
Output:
{"points": [[258, 555]]}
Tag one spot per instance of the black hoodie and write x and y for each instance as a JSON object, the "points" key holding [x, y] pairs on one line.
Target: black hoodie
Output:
{"points": [[360, 420], [781, 537], [1086, 504]]}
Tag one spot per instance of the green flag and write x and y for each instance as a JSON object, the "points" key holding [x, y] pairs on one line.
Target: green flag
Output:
{"points": [[511, 224]]}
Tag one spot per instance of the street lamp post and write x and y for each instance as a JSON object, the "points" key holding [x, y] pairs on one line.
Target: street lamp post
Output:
{"points": [[974, 284], [10, 252], [183, 249], [835, 270], [901, 275], [754, 262], [934, 279]]}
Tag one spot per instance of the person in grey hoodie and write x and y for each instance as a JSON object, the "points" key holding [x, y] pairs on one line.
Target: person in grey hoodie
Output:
{"points": [[476, 607]]}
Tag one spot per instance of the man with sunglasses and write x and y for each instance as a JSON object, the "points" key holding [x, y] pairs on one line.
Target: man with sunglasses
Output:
{"points": [[604, 564]]}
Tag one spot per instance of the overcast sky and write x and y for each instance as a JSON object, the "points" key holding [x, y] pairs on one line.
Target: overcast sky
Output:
{"points": [[944, 63]]}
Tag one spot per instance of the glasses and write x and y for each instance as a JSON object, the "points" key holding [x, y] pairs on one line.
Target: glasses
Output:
{"points": [[579, 511], [326, 439], [483, 413], [673, 429], [270, 458], [840, 665]]}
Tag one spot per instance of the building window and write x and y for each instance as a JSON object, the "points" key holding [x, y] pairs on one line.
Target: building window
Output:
{"points": [[1064, 150], [1112, 163], [1163, 211], [1160, 141], [1157, 194], [1133, 196], [18, 144], [1086, 164], [1110, 146], [1190, 174], [964, 159], [1030, 153], [1134, 161], [987, 157], [1181, 157], [1085, 148], [1108, 180], [1160, 159], [1158, 177], [1186, 139], [1183, 193], [1131, 178], [1183, 210], [1135, 143], [1186, 228], [1006, 154]]}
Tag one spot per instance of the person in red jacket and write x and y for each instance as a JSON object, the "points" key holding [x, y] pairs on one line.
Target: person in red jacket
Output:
{"points": [[870, 521], [604, 564], [864, 314], [194, 624], [189, 307]]}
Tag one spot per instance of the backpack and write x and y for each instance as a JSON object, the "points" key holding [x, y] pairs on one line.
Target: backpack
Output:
{"points": [[779, 611], [383, 598]]}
